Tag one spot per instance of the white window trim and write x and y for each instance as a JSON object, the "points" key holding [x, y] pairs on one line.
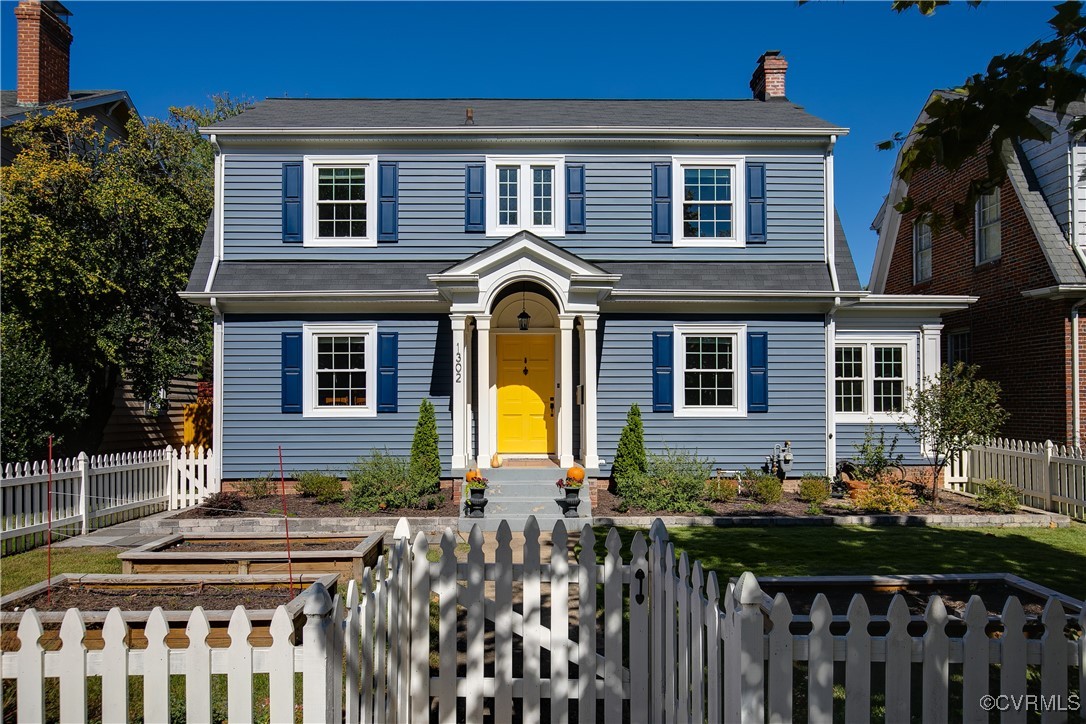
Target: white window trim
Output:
{"points": [[739, 200], [309, 370], [924, 222], [977, 226], [739, 368], [524, 195], [910, 361], [310, 166]]}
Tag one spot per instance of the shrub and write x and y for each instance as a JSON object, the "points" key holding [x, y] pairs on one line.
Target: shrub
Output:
{"points": [[675, 482], [425, 467], [764, 487], [380, 481], [256, 488], [997, 496], [874, 456], [630, 460], [886, 496], [223, 504], [814, 489], [721, 489], [325, 487]]}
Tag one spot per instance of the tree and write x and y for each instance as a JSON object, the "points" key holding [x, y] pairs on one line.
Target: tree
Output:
{"points": [[99, 235], [950, 413], [425, 466], [995, 106], [630, 460]]}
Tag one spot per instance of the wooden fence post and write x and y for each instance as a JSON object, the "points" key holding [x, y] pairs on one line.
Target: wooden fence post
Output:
{"points": [[749, 639], [1047, 478], [171, 479], [317, 690], [83, 492]]}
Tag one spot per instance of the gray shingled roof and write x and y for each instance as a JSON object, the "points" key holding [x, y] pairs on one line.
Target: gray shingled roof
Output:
{"points": [[11, 111], [365, 113], [202, 266], [1061, 259], [324, 276], [847, 278], [723, 276]]}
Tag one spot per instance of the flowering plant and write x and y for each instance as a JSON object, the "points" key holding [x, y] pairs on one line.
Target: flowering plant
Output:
{"points": [[571, 483], [476, 481]]}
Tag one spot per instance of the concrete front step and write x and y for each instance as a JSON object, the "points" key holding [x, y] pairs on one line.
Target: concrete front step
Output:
{"points": [[516, 523]]}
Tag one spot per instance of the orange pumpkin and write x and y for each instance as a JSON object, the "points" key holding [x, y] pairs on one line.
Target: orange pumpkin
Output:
{"points": [[472, 475], [575, 473]]}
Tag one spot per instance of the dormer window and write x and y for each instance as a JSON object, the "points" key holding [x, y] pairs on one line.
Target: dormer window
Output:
{"points": [[710, 194], [988, 232], [527, 194], [342, 192], [921, 251]]}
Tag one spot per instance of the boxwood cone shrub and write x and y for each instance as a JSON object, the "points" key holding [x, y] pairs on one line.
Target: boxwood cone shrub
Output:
{"points": [[424, 471], [325, 487], [997, 496], [630, 461]]}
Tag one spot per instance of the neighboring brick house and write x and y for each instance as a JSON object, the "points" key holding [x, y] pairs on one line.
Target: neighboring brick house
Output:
{"points": [[1022, 255]]}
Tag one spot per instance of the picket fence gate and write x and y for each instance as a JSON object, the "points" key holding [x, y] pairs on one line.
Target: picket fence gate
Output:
{"points": [[665, 644], [92, 491], [1048, 476]]}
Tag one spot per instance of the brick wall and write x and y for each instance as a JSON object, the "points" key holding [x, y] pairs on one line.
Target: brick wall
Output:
{"points": [[44, 44], [1021, 343]]}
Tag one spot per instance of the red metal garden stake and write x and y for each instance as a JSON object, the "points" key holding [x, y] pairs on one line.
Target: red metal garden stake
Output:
{"points": [[49, 530], [286, 520]]}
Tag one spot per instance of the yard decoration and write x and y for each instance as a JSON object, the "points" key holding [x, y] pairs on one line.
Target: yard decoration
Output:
{"points": [[575, 473], [475, 504], [571, 485]]}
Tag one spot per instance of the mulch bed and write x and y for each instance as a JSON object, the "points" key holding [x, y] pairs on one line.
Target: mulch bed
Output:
{"points": [[246, 546], [304, 507], [170, 598], [609, 505]]}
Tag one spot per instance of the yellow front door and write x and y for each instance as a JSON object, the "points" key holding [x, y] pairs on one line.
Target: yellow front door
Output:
{"points": [[525, 393]]}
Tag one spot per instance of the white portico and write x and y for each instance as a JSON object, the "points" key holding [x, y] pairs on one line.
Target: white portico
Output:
{"points": [[516, 309]]}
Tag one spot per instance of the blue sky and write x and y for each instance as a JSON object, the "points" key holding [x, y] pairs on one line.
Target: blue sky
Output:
{"points": [[856, 64]]}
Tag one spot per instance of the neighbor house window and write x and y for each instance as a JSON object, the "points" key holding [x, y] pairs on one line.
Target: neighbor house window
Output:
{"points": [[340, 207], [958, 347], [871, 377], [709, 201], [921, 251], [528, 195], [988, 233], [339, 370], [710, 371]]}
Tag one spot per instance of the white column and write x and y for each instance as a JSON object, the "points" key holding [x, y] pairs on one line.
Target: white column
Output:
{"points": [[482, 361], [929, 351], [460, 435], [588, 430], [565, 390]]}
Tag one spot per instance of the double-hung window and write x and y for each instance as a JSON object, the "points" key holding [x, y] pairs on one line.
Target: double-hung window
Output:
{"points": [[988, 232], [339, 368], [710, 199], [921, 251], [528, 195], [871, 377], [340, 193], [958, 347], [710, 371]]}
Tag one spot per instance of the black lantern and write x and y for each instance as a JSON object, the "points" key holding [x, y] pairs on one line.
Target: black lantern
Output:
{"points": [[523, 318]]}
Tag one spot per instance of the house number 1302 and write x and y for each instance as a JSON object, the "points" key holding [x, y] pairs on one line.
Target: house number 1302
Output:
{"points": [[458, 367]]}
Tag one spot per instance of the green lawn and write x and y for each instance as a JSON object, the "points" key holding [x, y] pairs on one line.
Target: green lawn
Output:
{"points": [[23, 569], [1054, 557]]}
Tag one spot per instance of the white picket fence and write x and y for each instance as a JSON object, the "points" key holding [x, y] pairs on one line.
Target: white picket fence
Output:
{"points": [[665, 644], [1049, 476], [91, 491]]}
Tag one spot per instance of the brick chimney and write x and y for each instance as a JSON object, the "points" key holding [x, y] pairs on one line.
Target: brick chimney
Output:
{"points": [[44, 42], [768, 80]]}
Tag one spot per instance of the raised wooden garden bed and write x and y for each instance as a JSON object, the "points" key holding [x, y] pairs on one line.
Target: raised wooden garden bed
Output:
{"points": [[177, 595], [246, 553]]}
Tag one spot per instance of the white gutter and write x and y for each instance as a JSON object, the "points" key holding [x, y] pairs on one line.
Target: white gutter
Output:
{"points": [[217, 391], [831, 227], [523, 130], [216, 213]]}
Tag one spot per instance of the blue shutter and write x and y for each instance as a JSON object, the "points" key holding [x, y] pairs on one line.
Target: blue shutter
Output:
{"points": [[661, 202], [388, 201], [756, 203], [291, 361], [575, 216], [292, 203], [475, 198], [663, 384], [388, 357], [757, 372]]}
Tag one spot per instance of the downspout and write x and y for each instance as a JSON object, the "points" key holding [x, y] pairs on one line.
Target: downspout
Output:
{"points": [[831, 226], [216, 212], [1076, 371], [831, 419], [217, 392]]}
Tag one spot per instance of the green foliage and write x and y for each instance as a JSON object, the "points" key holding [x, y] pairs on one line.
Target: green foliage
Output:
{"points": [[873, 456], [994, 107], [99, 236], [721, 489], [380, 481], [886, 496], [40, 398], [764, 487], [223, 505], [814, 489], [425, 466], [256, 488], [325, 487], [814, 509], [998, 496], [674, 483], [950, 413], [630, 460]]}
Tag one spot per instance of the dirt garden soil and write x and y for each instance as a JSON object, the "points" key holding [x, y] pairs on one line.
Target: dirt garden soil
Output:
{"points": [[170, 598], [304, 507]]}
